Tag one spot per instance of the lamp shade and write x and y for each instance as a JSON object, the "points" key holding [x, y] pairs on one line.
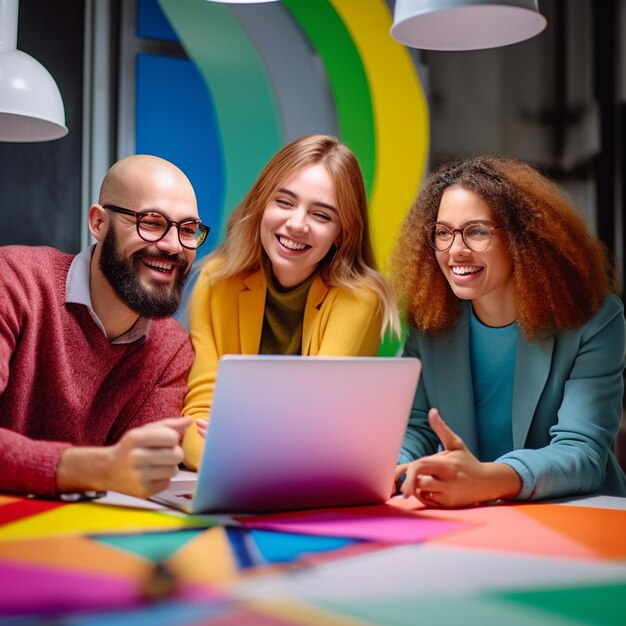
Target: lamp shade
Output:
{"points": [[31, 107], [465, 24]]}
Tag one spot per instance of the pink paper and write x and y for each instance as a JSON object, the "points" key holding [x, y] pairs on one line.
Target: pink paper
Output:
{"points": [[31, 589], [371, 523]]}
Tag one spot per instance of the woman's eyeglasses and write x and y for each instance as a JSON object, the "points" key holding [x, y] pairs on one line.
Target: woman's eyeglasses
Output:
{"points": [[475, 235], [152, 226]]}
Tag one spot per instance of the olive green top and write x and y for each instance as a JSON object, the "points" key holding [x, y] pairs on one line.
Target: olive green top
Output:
{"points": [[284, 314]]}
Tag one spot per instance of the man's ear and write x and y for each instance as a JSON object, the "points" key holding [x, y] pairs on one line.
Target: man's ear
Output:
{"points": [[98, 222]]}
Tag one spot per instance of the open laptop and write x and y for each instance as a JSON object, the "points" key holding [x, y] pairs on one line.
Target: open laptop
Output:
{"points": [[292, 432]]}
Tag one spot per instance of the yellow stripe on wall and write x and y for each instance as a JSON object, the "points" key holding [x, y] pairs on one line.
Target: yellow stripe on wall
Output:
{"points": [[400, 118]]}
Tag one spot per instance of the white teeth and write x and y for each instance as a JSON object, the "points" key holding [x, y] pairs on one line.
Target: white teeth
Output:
{"points": [[292, 245], [160, 265], [461, 271]]}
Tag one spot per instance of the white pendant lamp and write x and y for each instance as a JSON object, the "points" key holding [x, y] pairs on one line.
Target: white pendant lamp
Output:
{"points": [[465, 24], [31, 107]]}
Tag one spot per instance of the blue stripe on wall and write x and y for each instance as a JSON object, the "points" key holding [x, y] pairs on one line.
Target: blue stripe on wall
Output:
{"points": [[176, 121], [152, 23]]}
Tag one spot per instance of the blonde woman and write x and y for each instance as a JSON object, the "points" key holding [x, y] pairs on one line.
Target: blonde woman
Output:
{"points": [[295, 275]]}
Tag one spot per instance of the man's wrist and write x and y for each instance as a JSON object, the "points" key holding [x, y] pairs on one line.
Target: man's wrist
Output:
{"points": [[82, 470]]}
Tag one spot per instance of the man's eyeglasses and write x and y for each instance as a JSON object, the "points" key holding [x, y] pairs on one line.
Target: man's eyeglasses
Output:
{"points": [[152, 226], [476, 235]]}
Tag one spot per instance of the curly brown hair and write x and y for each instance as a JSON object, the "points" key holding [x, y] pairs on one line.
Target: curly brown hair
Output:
{"points": [[561, 271]]}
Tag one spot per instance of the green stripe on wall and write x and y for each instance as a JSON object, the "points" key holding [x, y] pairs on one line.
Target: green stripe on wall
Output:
{"points": [[235, 77], [346, 75]]}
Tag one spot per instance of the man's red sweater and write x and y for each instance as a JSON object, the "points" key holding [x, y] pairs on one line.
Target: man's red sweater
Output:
{"points": [[62, 382]]}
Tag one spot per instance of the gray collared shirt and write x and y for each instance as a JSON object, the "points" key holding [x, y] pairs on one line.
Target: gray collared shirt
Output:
{"points": [[77, 292]]}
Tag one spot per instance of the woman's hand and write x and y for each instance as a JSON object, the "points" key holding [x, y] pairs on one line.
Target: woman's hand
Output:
{"points": [[397, 479], [201, 427], [454, 477]]}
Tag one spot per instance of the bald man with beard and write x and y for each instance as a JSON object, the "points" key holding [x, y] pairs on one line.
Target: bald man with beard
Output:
{"points": [[93, 369]]}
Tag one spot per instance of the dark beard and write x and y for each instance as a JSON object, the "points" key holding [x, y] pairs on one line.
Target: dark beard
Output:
{"points": [[123, 276]]}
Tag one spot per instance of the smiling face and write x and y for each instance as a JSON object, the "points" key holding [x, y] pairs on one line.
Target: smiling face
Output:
{"points": [[485, 278], [147, 295], [300, 224], [147, 277]]}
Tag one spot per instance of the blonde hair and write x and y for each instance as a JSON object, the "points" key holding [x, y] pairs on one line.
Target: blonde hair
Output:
{"points": [[561, 271], [350, 263]]}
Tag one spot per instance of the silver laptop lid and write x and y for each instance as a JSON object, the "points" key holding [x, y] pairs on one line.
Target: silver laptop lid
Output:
{"points": [[302, 432]]}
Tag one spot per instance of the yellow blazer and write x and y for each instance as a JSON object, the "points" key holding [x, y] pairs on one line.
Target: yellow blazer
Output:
{"points": [[226, 317]]}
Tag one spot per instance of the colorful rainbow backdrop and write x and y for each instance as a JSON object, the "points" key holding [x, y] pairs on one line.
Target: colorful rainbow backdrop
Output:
{"points": [[261, 75]]}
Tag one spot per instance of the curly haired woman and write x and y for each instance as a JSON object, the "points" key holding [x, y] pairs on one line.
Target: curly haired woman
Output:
{"points": [[512, 309]]}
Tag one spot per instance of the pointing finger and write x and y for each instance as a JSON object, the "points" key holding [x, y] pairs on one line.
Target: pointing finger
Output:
{"points": [[449, 439]]}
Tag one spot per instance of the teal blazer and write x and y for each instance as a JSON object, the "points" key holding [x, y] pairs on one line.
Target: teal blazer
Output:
{"points": [[567, 403]]}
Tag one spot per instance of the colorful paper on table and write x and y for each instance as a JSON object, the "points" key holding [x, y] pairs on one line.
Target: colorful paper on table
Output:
{"points": [[174, 613], [506, 529], [155, 546], [289, 613], [278, 547], [260, 547], [427, 570], [19, 508], [416, 609], [4, 499], [83, 518], [602, 531], [169, 613], [359, 548], [242, 615], [370, 523], [35, 590], [74, 553], [594, 604], [406, 504], [542, 529], [220, 556], [206, 559]]}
